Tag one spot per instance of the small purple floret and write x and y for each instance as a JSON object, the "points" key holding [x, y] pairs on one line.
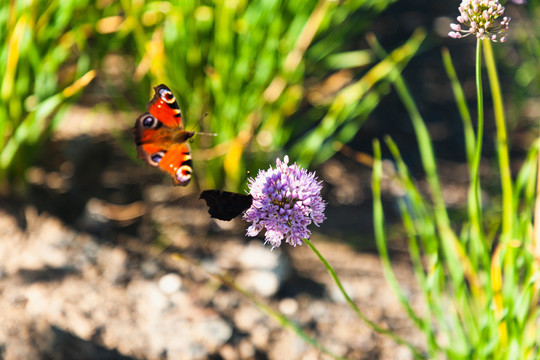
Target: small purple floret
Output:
{"points": [[285, 201]]}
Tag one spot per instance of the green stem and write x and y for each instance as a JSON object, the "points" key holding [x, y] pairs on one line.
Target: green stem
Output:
{"points": [[480, 125], [475, 201], [502, 143], [355, 308]]}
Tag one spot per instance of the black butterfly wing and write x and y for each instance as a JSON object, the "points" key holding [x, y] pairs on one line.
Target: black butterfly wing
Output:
{"points": [[225, 205]]}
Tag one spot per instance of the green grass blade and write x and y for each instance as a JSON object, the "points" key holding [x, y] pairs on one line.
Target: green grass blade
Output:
{"points": [[502, 144], [380, 237], [462, 106]]}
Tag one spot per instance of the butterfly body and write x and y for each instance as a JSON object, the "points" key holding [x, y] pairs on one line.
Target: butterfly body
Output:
{"points": [[161, 138]]}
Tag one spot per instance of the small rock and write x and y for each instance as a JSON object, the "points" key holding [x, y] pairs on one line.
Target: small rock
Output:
{"points": [[263, 283], [286, 347], [113, 262], [156, 298], [246, 318], [288, 306], [170, 283], [212, 332], [256, 256], [260, 335], [149, 268], [246, 349], [228, 352]]}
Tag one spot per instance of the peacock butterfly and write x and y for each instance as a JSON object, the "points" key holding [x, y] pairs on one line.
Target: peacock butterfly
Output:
{"points": [[161, 138], [225, 205]]}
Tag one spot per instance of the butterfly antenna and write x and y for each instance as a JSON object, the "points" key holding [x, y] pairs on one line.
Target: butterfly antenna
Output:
{"points": [[203, 116]]}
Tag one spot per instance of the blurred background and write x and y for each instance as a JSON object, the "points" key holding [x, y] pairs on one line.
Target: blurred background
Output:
{"points": [[89, 232]]}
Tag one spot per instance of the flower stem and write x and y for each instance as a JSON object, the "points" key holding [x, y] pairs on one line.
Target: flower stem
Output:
{"points": [[475, 200]]}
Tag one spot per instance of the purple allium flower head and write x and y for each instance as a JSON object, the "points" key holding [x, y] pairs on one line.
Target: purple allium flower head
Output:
{"points": [[285, 201], [480, 16]]}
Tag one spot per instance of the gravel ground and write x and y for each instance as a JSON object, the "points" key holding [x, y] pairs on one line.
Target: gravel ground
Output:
{"points": [[66, 294]]}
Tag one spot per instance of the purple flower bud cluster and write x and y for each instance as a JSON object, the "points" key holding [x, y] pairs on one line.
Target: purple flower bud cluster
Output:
{"points": [[480, 16], [285, 201]]}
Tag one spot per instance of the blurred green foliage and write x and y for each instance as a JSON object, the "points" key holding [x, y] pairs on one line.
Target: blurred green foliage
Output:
{"points": [[274, 76], [519, 66], [522, 61], [248, 64], [44, 61]]}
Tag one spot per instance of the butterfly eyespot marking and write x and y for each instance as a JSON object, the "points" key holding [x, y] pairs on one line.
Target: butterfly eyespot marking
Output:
{"points": [[183, 174], [167, 96], [149, 122], [156, 158]]}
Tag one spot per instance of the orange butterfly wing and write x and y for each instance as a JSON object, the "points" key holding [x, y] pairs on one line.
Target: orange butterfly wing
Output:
{"points": [[161, 139]]}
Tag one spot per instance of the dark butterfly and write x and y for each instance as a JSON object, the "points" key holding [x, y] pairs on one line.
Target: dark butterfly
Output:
{"points": [[225, 205]]}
